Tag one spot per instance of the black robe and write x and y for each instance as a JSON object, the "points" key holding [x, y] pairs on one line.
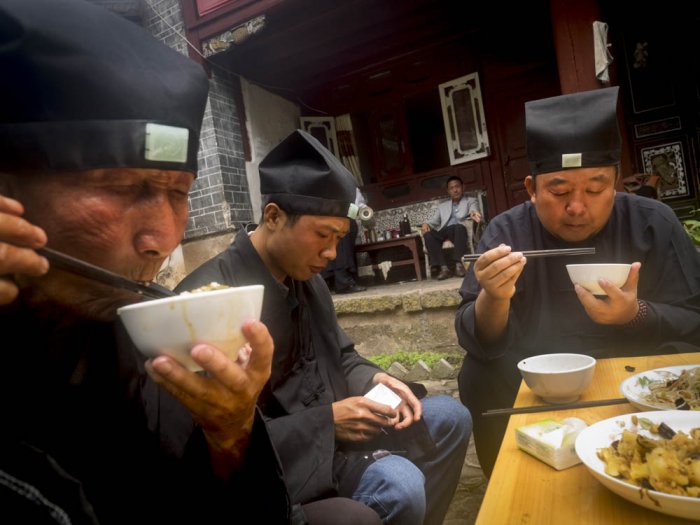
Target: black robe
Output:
{"points": [[314, 364], [547, 317], [86, 426]]}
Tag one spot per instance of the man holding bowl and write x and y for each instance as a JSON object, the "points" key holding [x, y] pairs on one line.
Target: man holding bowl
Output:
{"points": [[99, 127], [513, 308]]}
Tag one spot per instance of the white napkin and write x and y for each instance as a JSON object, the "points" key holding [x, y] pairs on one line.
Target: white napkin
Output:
{"points": [[603, 58]]}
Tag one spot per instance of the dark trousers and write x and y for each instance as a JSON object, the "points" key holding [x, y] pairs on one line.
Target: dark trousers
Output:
{"points": [[339, 511], [456, 233], [343, 270]]}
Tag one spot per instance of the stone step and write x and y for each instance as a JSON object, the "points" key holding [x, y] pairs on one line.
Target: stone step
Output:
{"points": [[414, 316]]}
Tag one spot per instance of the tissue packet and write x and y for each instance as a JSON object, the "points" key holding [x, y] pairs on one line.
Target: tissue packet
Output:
{"points": [[551, 441]]}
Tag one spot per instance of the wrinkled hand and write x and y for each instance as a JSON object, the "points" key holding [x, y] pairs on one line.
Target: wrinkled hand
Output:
{"points": [[222, 403], [424, 227], [18, 240], [475, 216], [497, 270], [619, 307]]}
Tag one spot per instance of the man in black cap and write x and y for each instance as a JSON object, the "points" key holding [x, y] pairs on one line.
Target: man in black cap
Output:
{"points": [[99, 126], [331, 439], [511, 310]]}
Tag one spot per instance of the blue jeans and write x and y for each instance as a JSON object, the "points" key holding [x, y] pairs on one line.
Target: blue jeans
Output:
{"points": [[405, 492]]}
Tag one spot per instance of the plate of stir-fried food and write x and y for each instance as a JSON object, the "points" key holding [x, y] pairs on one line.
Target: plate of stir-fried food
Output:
{"points": [[669, 388], [649, 458]]}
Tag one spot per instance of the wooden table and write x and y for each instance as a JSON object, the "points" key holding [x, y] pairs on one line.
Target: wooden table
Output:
{"points": [[524, 490], [407, 241]]}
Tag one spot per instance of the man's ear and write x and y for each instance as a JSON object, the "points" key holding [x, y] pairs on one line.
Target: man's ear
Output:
{"points": [[273, 216], [530, 187]]}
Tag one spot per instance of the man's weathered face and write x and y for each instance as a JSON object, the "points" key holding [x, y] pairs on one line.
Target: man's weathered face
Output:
{"points": [[455, 190], [125, 220], [303, 249], [574, 205]]}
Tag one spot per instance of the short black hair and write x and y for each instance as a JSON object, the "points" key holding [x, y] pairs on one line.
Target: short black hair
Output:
{"points": [[453, 177]]}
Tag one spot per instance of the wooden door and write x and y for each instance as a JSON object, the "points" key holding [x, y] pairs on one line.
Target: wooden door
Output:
{"points": [[507, 106], [392, 157]]}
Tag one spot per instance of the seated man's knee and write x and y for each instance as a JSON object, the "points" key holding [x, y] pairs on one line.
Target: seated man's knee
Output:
{"points": [[446, 416], [395, 488]]}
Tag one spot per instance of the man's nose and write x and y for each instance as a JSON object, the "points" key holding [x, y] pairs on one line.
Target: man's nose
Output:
{"points": [[576, 205], [329, 252], [159, 229]]}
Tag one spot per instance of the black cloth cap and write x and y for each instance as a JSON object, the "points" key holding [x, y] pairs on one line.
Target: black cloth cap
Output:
{"points": [[83, 88], [579, 130], [302, 177]]}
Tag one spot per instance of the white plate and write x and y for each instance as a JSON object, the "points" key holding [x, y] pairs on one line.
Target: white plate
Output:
{"points": [[603, 433], [635, 392]]}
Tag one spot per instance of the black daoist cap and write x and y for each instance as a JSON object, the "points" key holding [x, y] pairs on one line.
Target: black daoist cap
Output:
{"points": [[302, 177], [579, 130], [82, 88]]}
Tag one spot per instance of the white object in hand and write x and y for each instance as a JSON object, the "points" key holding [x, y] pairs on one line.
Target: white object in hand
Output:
{"points": [[384, 395]]}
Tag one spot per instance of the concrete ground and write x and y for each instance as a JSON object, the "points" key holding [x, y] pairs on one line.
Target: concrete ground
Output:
{"points": [[472, 484]]}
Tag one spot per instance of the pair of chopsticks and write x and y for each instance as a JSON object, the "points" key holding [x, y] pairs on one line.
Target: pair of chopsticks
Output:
{"points": [[540, 253], [90, 271], [551, 408]]}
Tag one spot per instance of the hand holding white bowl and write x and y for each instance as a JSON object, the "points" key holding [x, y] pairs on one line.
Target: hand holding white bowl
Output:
{"points": [[174, 325], [588, 275]]}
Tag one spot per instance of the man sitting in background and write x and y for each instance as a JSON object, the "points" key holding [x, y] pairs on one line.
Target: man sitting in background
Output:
{"points": [[341, 272], [446, 223]]}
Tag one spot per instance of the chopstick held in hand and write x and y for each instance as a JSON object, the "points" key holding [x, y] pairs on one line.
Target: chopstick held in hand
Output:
{"points": [[539, 253]]}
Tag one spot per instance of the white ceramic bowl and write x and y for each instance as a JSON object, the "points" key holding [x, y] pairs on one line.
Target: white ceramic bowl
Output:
{"points": [[603, 433], [558, 378], [588, 275], [174, 325]]}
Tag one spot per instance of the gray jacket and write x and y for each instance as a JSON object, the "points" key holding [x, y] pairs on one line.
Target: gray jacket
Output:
{"points": [[442, 213]]}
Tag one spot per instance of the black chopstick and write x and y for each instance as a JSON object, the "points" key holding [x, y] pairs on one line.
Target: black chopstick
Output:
{"points": [[551, 408], [539, 253], [90, 271]]}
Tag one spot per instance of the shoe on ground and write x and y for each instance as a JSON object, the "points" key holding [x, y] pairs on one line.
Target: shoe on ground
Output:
{"points": [[444, 274], [352, 289], [459, 270]]}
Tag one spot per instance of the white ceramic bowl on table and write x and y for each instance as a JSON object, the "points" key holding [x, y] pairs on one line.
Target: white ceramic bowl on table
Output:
{"points": [[558, 378], [588, 275], [174, 325], [602, 434]]}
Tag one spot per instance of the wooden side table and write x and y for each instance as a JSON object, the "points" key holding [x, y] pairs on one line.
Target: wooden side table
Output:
{"points": [[407, 241]]}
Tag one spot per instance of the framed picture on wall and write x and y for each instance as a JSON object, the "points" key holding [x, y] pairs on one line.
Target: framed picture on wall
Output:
{"points": [[668, 161], [649, 69]]}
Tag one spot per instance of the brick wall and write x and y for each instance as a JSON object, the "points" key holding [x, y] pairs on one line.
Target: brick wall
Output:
{"points": [[219, 200]]}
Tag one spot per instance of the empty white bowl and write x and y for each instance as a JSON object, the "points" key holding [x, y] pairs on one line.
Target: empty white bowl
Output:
{"points": [[558, 378], [173, 325], [588, 275]]}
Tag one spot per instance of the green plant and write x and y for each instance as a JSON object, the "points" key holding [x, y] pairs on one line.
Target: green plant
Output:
{"points": [[693, 229], [692, 226], [409, 359]]}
